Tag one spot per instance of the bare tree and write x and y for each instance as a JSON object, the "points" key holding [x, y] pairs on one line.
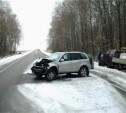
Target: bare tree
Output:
{"points": [[10, 31], [78, 24]]}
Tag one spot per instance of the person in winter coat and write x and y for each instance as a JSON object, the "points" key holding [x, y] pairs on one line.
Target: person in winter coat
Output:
{"points": [[99, 58], [106, 59]]}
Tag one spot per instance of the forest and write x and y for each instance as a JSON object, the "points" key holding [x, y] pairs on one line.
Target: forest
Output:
{"points": [[10, 30], [88, 25]]}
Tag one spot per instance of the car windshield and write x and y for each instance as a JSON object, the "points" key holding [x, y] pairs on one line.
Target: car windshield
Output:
{"points": [[54, 56]]}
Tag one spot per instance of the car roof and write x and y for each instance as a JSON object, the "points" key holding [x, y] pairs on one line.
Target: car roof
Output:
{"points": [[69, 52]]}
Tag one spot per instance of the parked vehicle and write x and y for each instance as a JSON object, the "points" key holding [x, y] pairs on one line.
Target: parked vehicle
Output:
{"points": [[62, 62], [116, 59], [119, 60], [123, 49], [113, 59]]}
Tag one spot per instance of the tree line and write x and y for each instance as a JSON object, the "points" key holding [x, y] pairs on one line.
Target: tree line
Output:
{"points": [[10, 30], [88, 25]]}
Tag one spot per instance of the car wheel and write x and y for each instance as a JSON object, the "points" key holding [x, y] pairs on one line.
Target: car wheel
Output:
{"points": [[38, 76], [51, 75], [68, 74], [83, 72], [116, 66]]}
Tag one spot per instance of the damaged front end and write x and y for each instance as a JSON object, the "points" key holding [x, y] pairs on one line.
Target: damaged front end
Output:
{"points": [[41, 68]]}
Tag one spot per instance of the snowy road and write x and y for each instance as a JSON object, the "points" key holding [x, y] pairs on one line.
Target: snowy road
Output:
{"points": [[74, 95], [11, 74], [26, 94], [116, 77]]}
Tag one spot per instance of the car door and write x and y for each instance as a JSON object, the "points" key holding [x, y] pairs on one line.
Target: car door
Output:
{"points": [[76, 61], [64, 63]]}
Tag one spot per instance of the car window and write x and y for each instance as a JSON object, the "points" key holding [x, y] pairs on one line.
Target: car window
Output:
{"points": [[76, 56], [117, 54], [84, 57], [66, 57], [54, 56]]}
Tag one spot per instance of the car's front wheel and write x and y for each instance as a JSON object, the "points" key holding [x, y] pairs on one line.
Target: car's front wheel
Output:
{"points": [[68, 74], [83, 72], [51, 75], [38, 76]]}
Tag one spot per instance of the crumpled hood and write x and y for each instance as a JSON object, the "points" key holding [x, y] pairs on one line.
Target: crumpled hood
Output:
{"points": [[43, 61]]}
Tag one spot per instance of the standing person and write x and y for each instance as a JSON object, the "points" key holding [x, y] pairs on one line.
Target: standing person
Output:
{"points": [[102, 63], [107, 58], [99, 58]]}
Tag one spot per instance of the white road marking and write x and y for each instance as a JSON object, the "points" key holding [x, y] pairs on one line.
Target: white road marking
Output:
{"points": [[18, 59], [10, 65]]}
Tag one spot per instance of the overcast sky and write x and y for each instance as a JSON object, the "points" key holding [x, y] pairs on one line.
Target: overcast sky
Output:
{"points": [[35, 18]]}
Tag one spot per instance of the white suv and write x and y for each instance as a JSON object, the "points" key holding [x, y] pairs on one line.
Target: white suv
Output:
{"points": [[62, 62]]}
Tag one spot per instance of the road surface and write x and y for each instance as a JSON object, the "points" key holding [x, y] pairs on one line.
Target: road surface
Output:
{"points": [[10, 76], [23, 93]]}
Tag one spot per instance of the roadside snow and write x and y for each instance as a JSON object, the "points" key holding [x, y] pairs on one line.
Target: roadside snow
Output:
{"points": [[109, 70], [117, 77], [74, 95], [6, 60]]}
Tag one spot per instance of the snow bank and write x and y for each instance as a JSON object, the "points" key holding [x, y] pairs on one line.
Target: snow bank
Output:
{"points": [[115, 76], [74, 95], [109, 70], [11, 58]]}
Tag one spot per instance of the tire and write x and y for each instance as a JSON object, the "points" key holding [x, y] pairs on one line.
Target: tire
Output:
{"points": [[83, 72], [38, 76], [68, 74], [116, 66], [123, 67], [51, 75]]}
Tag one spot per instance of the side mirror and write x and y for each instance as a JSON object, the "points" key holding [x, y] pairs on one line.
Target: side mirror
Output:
{"points": [[61, 60]]}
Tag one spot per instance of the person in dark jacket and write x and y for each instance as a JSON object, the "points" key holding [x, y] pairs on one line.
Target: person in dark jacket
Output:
{"points": [[106, 59], [99, 58]]}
